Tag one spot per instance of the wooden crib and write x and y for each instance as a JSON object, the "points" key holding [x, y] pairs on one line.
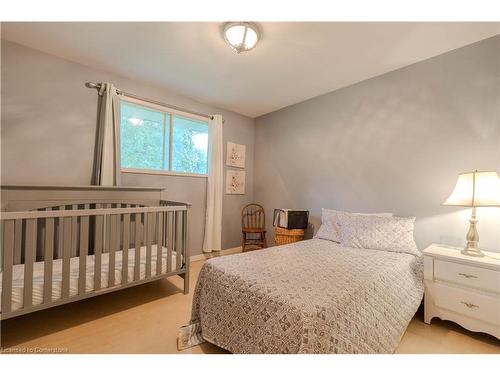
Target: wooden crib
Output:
{"points": [[65, 243]]}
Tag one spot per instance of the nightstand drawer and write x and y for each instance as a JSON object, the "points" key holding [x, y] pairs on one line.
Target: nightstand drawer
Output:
{"points": [[474, 305], [462, 274]]}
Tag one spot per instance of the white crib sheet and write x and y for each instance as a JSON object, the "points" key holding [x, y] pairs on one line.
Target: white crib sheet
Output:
{"points": [[38, 279]]}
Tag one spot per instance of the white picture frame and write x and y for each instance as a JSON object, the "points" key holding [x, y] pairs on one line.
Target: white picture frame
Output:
{"points": [[235, 155], [235, 181]]}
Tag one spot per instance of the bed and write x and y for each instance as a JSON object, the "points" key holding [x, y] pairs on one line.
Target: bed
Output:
{"points": [[313, 296], [65, 243]]}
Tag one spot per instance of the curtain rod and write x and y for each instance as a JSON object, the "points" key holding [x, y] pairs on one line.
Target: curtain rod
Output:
{"points": [[97, 86]]}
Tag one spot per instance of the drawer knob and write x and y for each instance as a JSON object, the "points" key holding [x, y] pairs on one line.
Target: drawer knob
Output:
{"points": [[470, 305], [467, 276]]}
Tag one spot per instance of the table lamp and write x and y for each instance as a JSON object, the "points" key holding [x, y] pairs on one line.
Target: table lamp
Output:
{"points": [[475, 189]]}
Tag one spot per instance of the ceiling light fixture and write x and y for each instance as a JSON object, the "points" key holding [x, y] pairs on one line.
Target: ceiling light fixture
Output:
{"points": [[241, 36]]}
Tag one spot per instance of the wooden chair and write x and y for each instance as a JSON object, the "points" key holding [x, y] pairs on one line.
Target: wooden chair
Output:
{"points": [[253, 226]]}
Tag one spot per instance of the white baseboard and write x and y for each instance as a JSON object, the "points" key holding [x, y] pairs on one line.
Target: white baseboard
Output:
{"points": [[203, 256]]}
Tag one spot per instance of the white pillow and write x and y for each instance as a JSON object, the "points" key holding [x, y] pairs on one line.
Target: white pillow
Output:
{"points": [[379, 233], [329, 229]]}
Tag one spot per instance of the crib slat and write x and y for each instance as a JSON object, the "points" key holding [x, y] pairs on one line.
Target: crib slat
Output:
{"points": [[106, 230], [8, 258], [125, 247], [138, 237], [185, 252], [74, 228], [168, 226], [29, 259], [18, 238], [174, 237], [147, 239], [84, 251], [59, 252], [48, 256], [113, 246], [98, 244], [66, 255], [178, 252], [165, 228], [159, 242], [132, 227]]}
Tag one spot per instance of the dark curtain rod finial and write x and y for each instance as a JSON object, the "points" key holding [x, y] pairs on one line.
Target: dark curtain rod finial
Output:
{"points": [[91, 85]]}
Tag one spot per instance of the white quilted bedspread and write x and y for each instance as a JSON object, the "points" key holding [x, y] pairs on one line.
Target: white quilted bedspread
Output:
{"points": [[313, 296]]}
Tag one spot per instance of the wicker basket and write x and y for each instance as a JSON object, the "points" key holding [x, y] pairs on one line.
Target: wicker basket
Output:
{"points": [[283, 236]]}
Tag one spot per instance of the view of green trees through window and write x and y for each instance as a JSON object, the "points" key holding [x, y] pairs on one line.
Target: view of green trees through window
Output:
{"points": [[143, 137], [145, 140], [190, 145]]}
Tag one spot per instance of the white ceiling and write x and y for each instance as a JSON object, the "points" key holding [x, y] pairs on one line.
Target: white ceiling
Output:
{"points": [[293, 62]]}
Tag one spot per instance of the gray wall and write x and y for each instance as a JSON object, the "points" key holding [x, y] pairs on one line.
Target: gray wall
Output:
{"points": [[392, 143], [48, 132]]}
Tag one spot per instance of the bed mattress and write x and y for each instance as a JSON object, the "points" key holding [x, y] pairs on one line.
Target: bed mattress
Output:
{"points": [[313, 296], [38, 277]]}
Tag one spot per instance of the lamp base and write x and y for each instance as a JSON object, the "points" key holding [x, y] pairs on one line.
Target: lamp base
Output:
{"points": [[472, 238], [472, 252]]}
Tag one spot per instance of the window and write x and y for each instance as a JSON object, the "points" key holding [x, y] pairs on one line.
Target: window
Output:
{"points": [[144, 137], [189, 145], [163, 141]]}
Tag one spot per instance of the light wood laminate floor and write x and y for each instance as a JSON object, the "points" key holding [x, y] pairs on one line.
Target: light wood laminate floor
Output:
{"points": [[146, 318]]}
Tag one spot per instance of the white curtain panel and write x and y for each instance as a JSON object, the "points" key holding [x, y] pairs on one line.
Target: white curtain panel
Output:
{"points": [[215, 182], [107, 155]]}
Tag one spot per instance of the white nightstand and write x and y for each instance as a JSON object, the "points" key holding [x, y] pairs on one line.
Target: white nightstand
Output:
{"points": [[462, 288]]}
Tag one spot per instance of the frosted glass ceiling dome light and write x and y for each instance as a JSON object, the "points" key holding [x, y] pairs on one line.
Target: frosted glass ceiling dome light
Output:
{"points": [[241, 36]]}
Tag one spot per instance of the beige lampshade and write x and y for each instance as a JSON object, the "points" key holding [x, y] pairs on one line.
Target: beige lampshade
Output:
{"points": [[475, 189]]}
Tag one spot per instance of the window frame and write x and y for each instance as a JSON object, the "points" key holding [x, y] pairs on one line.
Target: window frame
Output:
{"points": [[172, 112]]}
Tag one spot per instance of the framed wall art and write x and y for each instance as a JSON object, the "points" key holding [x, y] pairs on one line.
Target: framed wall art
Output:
{"points": [[235, 155], [235, 181]]}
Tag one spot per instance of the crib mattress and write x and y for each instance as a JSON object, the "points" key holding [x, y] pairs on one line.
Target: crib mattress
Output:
{"points": [[38, 275]]}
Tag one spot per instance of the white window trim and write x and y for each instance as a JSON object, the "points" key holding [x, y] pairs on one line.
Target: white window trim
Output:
{"points": [[171, 129], [163, 108], [160, 172]]}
